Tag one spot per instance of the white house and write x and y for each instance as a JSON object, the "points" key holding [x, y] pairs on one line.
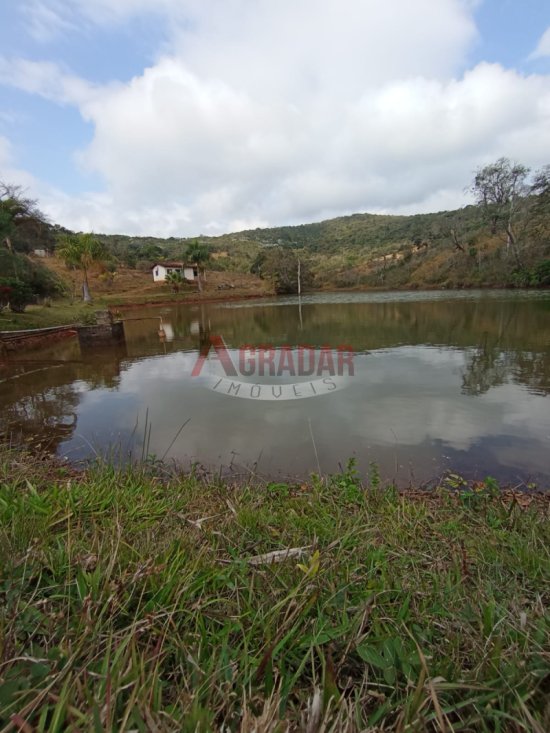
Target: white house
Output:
{"points": [[160, 270]]}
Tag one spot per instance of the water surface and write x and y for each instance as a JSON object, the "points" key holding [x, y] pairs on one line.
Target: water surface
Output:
{"points": [[442, 381]]}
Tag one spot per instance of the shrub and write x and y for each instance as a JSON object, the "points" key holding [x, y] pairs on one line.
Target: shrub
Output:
{"points": [[542, 273], [87, 317], [17, 293], [40, 279], [346, 279]]}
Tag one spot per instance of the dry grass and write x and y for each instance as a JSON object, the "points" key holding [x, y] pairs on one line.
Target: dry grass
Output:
{"points": [[129, 287]]}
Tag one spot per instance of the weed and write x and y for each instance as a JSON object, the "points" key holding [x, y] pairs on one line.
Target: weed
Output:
{"points": [[142, 600]]}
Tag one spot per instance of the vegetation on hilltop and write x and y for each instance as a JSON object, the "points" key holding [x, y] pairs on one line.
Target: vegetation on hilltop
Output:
{"points": [[288, 270], [502, 241], [22, 228], [15, 267]]}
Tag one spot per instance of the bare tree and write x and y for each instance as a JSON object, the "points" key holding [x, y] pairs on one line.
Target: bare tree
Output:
{"points": [[501, 189]]}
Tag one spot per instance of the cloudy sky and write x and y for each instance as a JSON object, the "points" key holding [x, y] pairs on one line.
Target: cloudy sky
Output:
{"points": [[181, 117]]}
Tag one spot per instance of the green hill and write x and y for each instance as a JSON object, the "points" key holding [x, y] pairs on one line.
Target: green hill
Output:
{"points": [[444, 249]]}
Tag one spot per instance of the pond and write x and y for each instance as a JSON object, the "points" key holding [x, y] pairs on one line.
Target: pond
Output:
{"points": [[416, 383]]}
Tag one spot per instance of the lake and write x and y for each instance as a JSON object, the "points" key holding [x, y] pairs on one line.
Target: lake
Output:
{"points": [[417, 383]]}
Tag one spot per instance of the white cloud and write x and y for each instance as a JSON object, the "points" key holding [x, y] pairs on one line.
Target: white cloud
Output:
{"points": [[45, 79], [45, 19], [543, 47], [9, 172], [101, 212], [283, 112]]}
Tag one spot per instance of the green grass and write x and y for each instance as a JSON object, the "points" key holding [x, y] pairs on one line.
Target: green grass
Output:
{"points": [[135, 600], [62, 312], [59, 313]]}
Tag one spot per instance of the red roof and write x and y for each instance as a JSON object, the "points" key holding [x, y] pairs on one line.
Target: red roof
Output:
{"points": [[173, 264]]}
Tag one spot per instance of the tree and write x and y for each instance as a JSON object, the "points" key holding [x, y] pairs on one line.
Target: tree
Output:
{"points": [[540, 188], [541, 274], [23, 226], [16, 293], [81, 251], [500, 189], [149, 252], [200, 254], [175, 280], [288, 272]]}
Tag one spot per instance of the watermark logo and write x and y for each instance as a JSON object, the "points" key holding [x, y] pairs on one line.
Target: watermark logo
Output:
{"points": [[273, 373]]}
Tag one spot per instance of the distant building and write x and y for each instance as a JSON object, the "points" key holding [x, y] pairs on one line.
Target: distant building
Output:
{"points": [[40, 253], [160, 270]]}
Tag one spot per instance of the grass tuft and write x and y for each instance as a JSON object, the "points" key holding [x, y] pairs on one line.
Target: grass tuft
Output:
{"points": [[131, 601]]}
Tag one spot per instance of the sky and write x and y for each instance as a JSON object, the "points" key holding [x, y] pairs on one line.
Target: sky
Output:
{"points": [[188, 117]]}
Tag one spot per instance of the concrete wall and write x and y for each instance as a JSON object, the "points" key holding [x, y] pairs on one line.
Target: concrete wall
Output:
{"points": [[103, 335]]}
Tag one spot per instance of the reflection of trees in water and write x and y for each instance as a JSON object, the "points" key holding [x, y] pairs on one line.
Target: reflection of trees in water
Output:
{"points": [[47, 417], [533, 370], [205, 332], [485, 368], [514, 348], [185, 326], [101, 368], [513, 324], [263, 321], [488, 366], [39, 401], [514, 332]]}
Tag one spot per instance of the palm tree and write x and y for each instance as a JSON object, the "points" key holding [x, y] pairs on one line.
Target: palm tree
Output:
{"points": [[199, 253], [175, 279], [81, 251]]}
